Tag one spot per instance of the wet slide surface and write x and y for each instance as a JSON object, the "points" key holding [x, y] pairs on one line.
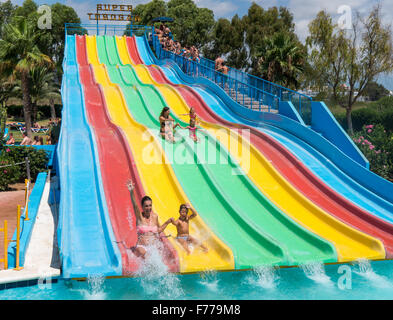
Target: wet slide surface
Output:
{"points": [[83, 211], [360, 194], [310, 186], [299, 245], [162, 185], [117, 169], [298, 175]]}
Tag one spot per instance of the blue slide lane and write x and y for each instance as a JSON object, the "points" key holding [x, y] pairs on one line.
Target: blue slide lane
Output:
{"points": [[86, 240], [366, 192]]}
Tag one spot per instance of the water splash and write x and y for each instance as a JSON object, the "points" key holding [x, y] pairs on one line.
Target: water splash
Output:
{"points": [[209, 280], [95, 288], [265, 277], [315, 271], [155, 278], [366, 271]]}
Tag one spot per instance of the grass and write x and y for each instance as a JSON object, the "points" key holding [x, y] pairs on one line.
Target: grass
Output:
{"points": [[337, 109]]}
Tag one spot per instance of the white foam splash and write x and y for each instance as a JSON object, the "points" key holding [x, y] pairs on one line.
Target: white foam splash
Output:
{"points": [[265, 277], [155, 278], [315, 271], [367, 272], [95, 288], [209, 280]]}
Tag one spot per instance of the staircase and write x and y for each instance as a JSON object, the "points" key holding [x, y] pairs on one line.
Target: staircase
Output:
{"points": [[248, 102]]}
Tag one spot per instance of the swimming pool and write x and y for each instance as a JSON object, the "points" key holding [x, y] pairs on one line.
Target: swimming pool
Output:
{"points": [[361, 280]]}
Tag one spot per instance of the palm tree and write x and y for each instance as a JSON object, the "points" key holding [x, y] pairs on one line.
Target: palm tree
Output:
{"points": [[18, 55], [7, 90], [42, 86], [280, 59]]}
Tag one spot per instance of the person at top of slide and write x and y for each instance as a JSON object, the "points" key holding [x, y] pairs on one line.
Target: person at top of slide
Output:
{"points": [[218, 64], [147, 226]]}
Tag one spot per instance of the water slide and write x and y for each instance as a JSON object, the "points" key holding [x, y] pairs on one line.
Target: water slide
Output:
{"points": [[365, 246], [310, 186], [83, 211], [275, 211], [298, 245], [117, 167], [299, 176], [291, 168], [363, 188], [375, 222], [163, 186]]}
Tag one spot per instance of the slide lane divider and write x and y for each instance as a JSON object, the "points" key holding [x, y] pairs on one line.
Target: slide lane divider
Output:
{"points": [[248, 186], [162, 186], [117, 168], [387, 237]]}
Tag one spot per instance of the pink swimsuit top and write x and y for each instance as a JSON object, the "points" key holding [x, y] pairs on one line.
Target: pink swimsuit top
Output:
{"points": [[144, 229]]}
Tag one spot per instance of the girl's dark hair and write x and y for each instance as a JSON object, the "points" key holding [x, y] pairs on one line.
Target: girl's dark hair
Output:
{"points": [[165, 109], [146, 198], [182, 206]]}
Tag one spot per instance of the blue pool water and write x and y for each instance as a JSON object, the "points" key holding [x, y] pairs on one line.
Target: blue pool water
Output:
{"points": [[361, 280]]}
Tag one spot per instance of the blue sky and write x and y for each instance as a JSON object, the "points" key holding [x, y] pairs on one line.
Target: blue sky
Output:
{"points": [[303, 10]]}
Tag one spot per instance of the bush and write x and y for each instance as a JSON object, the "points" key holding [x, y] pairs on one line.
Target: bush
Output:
{"points": [[377, 146], [43, 111], [383, 104], [9, 175]]}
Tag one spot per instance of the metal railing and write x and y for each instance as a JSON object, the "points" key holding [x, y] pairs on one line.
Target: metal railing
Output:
{"points": [[250, 84], [243, 93], [5, 244], [110, 30]]}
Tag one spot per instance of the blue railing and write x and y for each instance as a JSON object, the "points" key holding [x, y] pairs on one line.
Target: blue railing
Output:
{"points": [[243, 93], [251, 84], [110, 30]]}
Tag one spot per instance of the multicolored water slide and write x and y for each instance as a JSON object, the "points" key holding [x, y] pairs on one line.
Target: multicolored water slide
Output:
{"points": [[347, 177], [298, 244], [357, 184], [327, 183], [108, 48], [268, 213], [84, 231]]}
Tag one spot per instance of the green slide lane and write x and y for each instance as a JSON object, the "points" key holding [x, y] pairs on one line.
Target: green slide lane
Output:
{"points": [[230, 196]]}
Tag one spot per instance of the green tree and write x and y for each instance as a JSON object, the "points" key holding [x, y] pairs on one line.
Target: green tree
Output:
{"points": [[192, 25], [280, 60], [18, 55], [228, 38], [375, 91], [6, 11], [7, 90], [348, 60]]}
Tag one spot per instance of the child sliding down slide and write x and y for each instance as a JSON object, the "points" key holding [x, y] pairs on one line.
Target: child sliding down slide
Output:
{"points": [[183, 225]]}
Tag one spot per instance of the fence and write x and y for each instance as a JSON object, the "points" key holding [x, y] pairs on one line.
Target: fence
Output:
{"points": [[110, 30], [246, 89], [243, 93]]}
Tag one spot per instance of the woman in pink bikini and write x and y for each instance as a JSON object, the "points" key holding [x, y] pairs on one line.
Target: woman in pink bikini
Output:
{"points": [[147, 225]]}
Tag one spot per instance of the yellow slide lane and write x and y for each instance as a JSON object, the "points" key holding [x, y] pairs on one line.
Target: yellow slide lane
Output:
{"points": [[350, 243], [158, 178]]}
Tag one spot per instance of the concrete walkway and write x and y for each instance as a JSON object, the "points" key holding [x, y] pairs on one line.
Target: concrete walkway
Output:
{"points": [[42, 259]]}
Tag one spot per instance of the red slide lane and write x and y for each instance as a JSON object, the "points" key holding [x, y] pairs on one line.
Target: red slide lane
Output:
{"points": [[133, 52], [117, 167], [294, 171]]}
